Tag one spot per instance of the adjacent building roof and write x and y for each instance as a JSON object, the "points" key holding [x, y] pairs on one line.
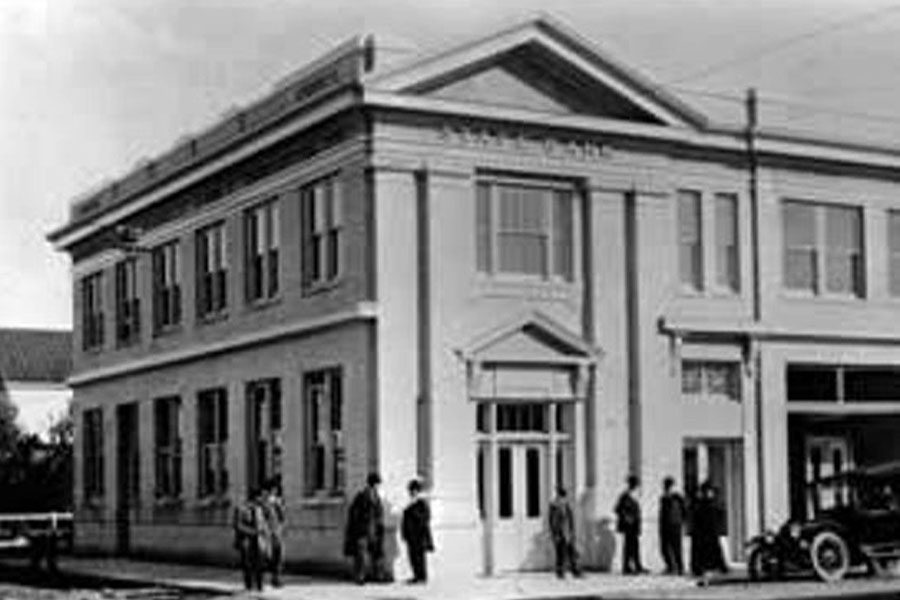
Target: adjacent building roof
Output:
{"points": [[43, 355]]}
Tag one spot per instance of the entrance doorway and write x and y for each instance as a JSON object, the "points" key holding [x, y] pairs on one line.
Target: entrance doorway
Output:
{"points": [[721, 462], [525, 451], [127, 475]]}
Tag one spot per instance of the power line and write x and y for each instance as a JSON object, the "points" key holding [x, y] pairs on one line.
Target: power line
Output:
{"points": [[785, 43]]}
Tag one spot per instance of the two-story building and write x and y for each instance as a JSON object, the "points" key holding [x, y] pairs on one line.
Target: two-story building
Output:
{"points": [[507, 266]]}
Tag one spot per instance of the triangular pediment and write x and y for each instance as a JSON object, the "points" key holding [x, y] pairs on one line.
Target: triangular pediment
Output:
{"points": [[530, 338], [539, 66]]}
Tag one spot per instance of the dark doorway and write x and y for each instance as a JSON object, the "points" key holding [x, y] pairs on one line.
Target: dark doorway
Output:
{"points": [[127, 475]]}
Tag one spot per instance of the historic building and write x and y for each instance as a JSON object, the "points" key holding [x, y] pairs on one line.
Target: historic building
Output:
{"points": [[509, 265]]}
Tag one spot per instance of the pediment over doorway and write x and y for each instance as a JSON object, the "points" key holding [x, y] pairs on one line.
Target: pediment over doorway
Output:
{"points": [[531, 338]]}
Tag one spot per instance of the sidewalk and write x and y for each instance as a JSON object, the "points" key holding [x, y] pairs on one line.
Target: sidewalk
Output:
{"points": [[514, 586]]}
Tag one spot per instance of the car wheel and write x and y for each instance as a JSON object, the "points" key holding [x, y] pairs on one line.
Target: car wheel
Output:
{"points": [[830, 556]]}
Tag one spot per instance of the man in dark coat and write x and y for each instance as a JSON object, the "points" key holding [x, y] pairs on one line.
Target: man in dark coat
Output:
{"points": [[415, 528], [364, 537], [562, 532], [251, 539], [707, 524], [671, 522], [628, 514]]}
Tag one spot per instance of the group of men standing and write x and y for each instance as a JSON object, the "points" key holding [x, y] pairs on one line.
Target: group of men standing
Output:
{"points": [[259, 535]]}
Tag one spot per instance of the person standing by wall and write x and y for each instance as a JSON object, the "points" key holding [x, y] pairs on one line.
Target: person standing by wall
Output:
{"points": [[251, 539], [273, 510], [415, 528], [707, 520], [562, 532], [672, 512], [628, 514], [364, 536]]}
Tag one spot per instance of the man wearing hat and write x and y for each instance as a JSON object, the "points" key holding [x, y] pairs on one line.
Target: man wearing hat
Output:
{"points": [[364, 537]]}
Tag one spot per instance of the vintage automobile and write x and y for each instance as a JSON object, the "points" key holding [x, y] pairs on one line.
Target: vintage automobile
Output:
{"points": [[855, 522]]}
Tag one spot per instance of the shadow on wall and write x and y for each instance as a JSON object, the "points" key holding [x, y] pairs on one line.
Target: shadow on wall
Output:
{"points": [[598, 538]]}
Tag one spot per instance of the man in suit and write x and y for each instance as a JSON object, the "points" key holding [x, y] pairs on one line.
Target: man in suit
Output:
{"points": [[415, 528], [364, 537], [628, 513], [562, 532], [672, 513]]}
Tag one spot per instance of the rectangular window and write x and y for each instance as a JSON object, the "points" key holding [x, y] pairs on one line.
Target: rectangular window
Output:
{"points": [[128, 306], [166, 287], [324, 432], [322, 223], [212, 271], [262, 233], [894, 252], [92, 453], [727, 253], [822, 239], [212, 442], [167, 446], [264, 425], [838, 383], [525, 229], [812, 383], [690, 239], [92, 311], [711, 379]]}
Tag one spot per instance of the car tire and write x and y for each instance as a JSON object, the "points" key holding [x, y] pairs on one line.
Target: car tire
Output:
{"points": [[762, 566], [830, 556]]}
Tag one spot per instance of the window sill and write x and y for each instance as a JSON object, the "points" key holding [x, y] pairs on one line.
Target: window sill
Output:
{"points": [[321, 287], [126, 344], [830, 297], [262, 303], [93, 350], [213, 502], [168, 503], [323, 501], [212, 318], [167, 330], [544, 289]]}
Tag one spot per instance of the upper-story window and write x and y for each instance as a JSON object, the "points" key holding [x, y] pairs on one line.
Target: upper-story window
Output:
{"points": [[168, 446], [324, 432], [525, 229], [92, 311], [262, 240], [92, 450], [727, 253], [212, 271], [711, 379], [822, 239], [690, 239], [128, 304], [322, 221], [894, 252], [166, 287]]}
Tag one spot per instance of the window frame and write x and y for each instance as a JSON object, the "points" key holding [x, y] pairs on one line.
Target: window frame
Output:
{"points": [[268, 393], [727, 275], [324, 421], [321, 235], [893, 253], [92, 317], [128, 303], [93, 476], [167, 448], [705, 367], [262, 251], [822, 251], [211, 275], [488, 228], [694, 246], [167, 277], [212, 454]]}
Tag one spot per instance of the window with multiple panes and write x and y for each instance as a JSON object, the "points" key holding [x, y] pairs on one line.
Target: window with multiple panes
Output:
{"points": [[166, 286], [212, 270], [261, 243], [263, 431], [822, 240], [322, 221], [166, 413], [92, 311], [324, 432], [525, 229], [92, 453], [690, 239], [711, 379], [128, 305], [727, 254], [894, 252], [842, 383], [212, 442]]}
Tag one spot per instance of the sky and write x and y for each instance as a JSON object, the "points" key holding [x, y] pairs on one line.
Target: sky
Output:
{"points": [[90, 87]]}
